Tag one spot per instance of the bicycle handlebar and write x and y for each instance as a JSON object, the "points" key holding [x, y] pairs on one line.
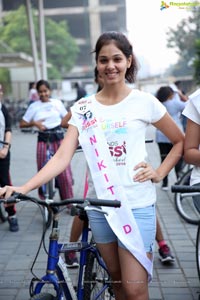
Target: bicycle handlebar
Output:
{"points": [[4, 143], [148, 141], [17, 197], [49, 131], [185, 189]]}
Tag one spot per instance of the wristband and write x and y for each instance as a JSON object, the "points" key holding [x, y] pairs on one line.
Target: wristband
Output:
{"points": [[6, 145]]}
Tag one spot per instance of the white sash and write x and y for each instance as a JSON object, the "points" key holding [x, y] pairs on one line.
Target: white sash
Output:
{"points": [[107, 181]]}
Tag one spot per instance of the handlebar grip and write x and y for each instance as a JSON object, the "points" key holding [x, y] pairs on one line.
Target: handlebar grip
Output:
{"points": [[101, 202], [13, 199], [185, 189]]}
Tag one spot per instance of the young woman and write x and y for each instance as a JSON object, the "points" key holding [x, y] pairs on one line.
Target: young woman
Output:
{"points": [[6, 136], [192, 140], [174, 106], [113, 140], [47, 114]]}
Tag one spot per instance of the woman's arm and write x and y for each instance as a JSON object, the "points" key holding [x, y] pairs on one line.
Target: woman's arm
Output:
{"points": [[176, 136], [38, 124], [55, 166], [192, 141], [65, 120], [24, 124], [5, 149]]}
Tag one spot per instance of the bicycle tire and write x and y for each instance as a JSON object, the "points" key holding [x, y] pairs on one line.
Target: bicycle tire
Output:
{"points": [[3, 213], [198, 250], [48, 217], [50, 189], [184, 204], [43, 296], [47, 212], [95, 277]]}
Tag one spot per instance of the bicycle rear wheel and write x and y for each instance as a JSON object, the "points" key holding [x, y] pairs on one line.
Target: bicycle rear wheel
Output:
{"points": [[3, 213], [96, 280], [198, 250], [185, 204]]}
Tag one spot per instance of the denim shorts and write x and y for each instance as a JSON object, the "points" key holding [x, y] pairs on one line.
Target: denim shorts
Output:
{"points": [[144, 217]]}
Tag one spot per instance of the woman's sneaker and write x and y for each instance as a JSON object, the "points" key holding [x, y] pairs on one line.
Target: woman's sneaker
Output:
{"points": [[165, 254], [13, 223], [71, 259]]}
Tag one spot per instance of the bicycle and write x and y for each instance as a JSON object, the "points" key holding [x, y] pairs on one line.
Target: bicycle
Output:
{"points": [[3, 212], [93, 278], [185, 204], [192, 191], [48, 189]]}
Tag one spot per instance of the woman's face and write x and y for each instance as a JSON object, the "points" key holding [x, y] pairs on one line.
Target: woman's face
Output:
{"points": [[112, 64], [44, 93]]}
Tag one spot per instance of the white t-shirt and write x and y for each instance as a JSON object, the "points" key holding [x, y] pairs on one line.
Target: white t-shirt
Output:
{"points": [[124, 125], [33, 95], [192, 112], [50, 112]]}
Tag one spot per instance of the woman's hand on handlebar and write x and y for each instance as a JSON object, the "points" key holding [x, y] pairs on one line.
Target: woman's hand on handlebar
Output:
{"points": [[7, 191]]}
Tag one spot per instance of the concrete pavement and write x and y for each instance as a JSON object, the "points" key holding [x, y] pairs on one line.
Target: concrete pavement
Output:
{"points": [[17, 250]]}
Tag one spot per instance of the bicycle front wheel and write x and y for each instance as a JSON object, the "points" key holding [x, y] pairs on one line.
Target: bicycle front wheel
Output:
{"points": [[184, 202], [48, 217], [96, 280], [49, 193], [3, 213], [198, 250], [50, 189], [43, 296]]}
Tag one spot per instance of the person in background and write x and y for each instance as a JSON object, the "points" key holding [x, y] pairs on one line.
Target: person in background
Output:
{"points": [[33, 94], [180, 94], [81, 92], [174, 106], [192, 141], [47, 114], [5, 136], [120, 116]]}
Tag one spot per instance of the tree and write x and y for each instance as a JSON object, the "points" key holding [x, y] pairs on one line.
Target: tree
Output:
{"points": [[182, 39], [61, 47], [197, 62]]}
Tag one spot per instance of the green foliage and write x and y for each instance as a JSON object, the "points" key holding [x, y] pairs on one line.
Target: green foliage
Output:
{"points": [[61, 47], [196, 63], [5, 79], [182, 39]]}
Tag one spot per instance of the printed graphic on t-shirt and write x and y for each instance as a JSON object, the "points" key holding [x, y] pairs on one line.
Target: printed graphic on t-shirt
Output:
{"points": [[118, 152]]}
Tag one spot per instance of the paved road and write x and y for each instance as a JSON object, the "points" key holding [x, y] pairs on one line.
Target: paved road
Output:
{"points": [[17, 250]]}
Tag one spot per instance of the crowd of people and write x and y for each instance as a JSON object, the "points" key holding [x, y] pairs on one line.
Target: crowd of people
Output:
{"points": [[106, 125]]}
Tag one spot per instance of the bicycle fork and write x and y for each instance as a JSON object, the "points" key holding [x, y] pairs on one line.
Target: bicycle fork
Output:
{"points": [[56, 273]]}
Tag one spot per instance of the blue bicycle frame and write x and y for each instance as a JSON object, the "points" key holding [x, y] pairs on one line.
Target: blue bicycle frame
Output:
{"points": [[62, 282]]}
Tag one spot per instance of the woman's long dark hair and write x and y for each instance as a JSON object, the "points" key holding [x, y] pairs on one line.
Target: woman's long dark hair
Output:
{"points": [[124, 45], [42, 82]]}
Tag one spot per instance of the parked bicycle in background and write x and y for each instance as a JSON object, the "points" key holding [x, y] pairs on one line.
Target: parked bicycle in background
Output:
{"points": [[194, 193], [5, 179]]}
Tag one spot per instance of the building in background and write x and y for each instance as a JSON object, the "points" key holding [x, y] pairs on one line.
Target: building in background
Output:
{"points": [[86, 19]]}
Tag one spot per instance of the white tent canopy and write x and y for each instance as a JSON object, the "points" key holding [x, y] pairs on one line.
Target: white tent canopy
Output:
{"points": [[15, 60]]}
